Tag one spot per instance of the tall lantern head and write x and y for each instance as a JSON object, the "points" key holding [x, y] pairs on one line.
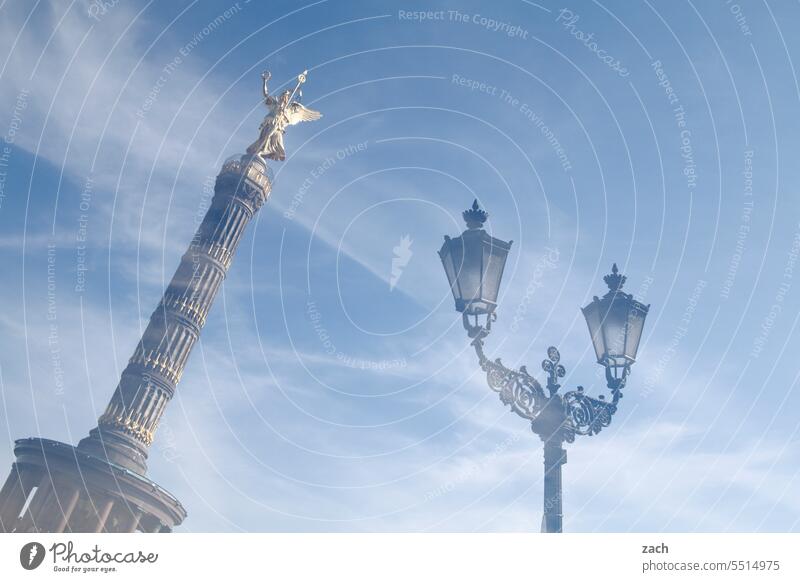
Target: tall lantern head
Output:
{"points": [[474, 264], [615, 323]]}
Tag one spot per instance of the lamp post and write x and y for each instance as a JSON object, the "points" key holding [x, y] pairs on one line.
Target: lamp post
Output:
{"points": [[474, 264]]}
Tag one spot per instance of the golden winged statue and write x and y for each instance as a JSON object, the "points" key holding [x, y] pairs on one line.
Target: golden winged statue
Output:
{"points": [[283, 112]]}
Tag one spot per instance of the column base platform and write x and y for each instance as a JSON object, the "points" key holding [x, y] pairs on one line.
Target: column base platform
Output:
{"points": [[55, 487]]}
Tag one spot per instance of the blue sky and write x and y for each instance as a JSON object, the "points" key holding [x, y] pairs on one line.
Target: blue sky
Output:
{"points": [[328, 395]]}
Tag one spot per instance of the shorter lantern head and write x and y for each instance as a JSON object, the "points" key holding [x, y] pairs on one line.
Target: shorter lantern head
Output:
{"points": [[615, 323], [474, 264]]}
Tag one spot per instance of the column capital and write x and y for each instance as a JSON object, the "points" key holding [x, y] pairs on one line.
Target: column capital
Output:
{"points": [[247, 179]]}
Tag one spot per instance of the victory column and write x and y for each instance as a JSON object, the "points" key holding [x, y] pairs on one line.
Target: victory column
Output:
{"points": [[100, 485]]}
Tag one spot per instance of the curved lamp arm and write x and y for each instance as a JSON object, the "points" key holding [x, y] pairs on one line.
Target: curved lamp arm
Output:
{"points": [[516, 388]]}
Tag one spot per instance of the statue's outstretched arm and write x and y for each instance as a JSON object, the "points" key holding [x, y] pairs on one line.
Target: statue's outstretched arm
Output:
{"points": [[266, 75]]}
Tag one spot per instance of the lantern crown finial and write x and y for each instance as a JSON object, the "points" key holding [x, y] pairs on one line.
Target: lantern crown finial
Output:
{"points": [[475, 217], [615, 281]]}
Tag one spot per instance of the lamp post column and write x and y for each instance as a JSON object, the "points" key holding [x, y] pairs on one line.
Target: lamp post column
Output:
{"points": [[554, 456]]}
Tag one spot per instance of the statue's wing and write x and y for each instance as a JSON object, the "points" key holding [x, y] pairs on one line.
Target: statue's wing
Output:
{"points": [[297, 113]]}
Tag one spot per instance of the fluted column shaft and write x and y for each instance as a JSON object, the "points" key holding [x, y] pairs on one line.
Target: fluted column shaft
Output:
{"points": [[125, 430]]}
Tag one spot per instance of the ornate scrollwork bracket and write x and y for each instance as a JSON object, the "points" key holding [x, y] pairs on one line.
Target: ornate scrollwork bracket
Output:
{"points": [[551, 415], [587, 415], [516, 388]]}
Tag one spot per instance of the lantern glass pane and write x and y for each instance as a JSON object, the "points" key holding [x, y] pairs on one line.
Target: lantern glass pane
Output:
{"points": [[453, 264], [615, 329], [592, 313], [470, 269], [450, 271], [494, 260], [636, 317]]}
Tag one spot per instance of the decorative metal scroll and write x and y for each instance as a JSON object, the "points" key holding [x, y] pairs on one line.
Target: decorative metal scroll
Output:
{"points": [[517, 388], [582, 414], [554, 369], [587, 415]]}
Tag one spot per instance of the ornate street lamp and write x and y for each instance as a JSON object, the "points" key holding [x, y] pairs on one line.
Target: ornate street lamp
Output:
{"points": [[474, 265]]}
